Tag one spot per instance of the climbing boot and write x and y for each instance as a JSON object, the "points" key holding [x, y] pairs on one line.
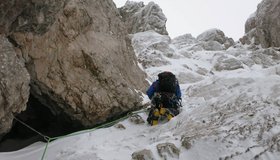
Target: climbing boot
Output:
{"points": [[169, 117], [169, 114], [162, 111], [154, 122], [154, 118], [156, 113]]}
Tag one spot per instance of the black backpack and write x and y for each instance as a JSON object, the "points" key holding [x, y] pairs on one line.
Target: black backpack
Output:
{"points": [[167, 82]]}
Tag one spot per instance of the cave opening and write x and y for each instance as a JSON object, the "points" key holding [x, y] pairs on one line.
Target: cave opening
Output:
{"points": [[39, 117]]}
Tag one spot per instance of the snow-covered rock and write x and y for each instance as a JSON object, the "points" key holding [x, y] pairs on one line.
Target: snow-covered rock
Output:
{"points": [[139, 17], [212, 35], [262, 27], [216, 35], [266, 57], [168, 151], [136, 119], [190, 77], [212, 46], [143, 155], [184, 41], [250, 23], [152, 49], [226, 63]]}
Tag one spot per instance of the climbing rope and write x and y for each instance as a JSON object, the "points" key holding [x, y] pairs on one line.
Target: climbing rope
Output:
{"points": [[49, 139], [34, 130]]}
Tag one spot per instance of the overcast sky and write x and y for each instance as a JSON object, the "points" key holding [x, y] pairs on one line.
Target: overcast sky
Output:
{"points": [[196, 16]]}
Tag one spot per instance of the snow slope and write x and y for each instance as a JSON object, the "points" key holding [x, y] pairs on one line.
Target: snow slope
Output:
{"points": [[228, 112]]}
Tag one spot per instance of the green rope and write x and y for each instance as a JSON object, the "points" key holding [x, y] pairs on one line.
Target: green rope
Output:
{"points": [[34, 130], [45, 150], [49, 139], [90, 130]]}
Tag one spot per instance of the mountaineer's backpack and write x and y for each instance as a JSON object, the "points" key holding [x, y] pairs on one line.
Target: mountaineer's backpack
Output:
{"points": [[167, 82]]}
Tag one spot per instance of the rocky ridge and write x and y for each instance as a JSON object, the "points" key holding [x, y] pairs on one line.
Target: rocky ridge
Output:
{"points": [[262, 27], [139, 17]]}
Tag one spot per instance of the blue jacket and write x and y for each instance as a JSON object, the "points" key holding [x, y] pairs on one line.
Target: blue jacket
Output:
{"points": [[152, 89]]}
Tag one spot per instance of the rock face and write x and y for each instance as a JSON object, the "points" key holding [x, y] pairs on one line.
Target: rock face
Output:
{"points": [[143, 155], [153, 52], [184, 41], [79, 57], [225, 63], [215, 35], [250, 23], [26, 15], [139, 17], [14, 85], [168, 151], [212, 35], [263, 26]]}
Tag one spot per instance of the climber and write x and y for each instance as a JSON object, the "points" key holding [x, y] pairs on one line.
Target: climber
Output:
{"points": [[165, 96]]}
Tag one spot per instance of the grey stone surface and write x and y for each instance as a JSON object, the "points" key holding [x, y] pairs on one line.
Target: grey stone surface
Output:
{"points": [[144, 154], [263, 26], [168, 151], [225, 63], [139, 17], [79, 57], [14, 85]]}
